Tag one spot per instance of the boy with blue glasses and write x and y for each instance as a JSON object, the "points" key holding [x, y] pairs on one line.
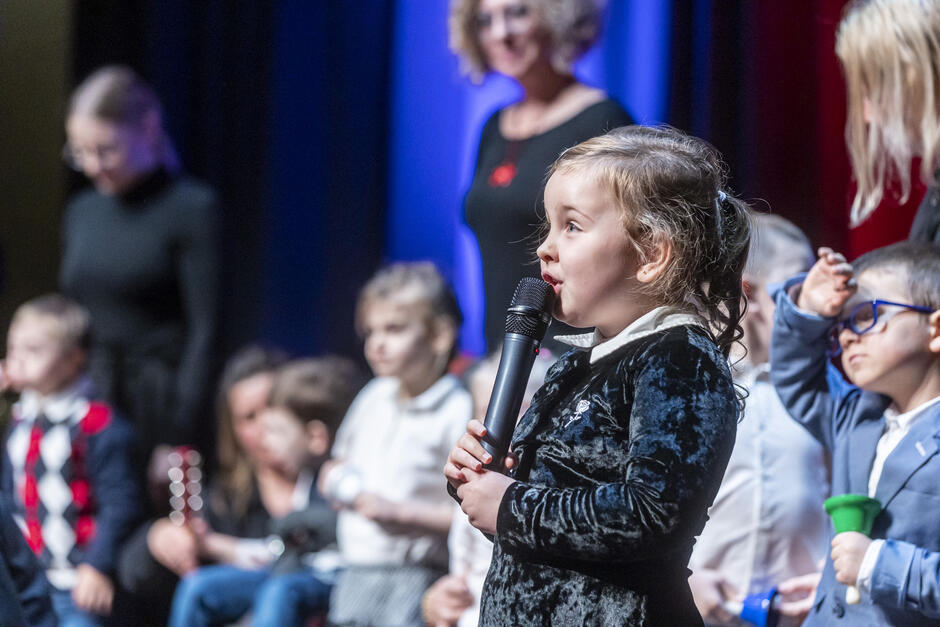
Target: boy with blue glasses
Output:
{"points": [[882, 430]]}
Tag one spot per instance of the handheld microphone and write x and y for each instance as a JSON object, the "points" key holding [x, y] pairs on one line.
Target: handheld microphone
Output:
{"points": [[526, 322]]}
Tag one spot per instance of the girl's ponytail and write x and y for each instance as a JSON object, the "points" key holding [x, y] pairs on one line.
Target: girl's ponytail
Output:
{"points": [[721, 278]]}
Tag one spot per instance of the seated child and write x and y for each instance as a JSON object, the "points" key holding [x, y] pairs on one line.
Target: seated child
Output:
{"points": [[395, 514], [67, 460], [308, 400], [767, 524], [882, 430]]}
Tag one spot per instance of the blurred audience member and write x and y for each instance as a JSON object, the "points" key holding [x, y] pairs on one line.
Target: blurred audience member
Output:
{"points": [[387, 460], [888, 50], [535, 43], [68, 460], [247, 491], [140, 254], [767, 526], [308, 400]]}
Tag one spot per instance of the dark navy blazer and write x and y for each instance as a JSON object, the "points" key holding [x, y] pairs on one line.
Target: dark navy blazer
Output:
{"points": [[24, 591]]}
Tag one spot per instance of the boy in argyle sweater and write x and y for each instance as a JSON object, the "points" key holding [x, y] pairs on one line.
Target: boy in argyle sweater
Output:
{"points": [[67, 462]]}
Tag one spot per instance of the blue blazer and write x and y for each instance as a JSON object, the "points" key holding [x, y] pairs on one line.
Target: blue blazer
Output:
{"points": [[848, 421]]}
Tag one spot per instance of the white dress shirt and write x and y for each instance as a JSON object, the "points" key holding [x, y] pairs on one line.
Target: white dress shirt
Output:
{"points": [[767, 523], [398, 449]]}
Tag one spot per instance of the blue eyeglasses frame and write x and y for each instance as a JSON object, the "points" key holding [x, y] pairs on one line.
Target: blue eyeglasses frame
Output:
{"points": [[848, 322]]}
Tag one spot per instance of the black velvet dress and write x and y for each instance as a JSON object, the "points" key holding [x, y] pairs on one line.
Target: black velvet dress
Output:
{"points": [[504, 205], [618, 463]]}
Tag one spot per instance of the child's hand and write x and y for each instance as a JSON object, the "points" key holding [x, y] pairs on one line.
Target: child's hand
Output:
{"points": [[709, 593], [480, 497], [445, 601], [173, 546], [829, 284], [848, 549], [93, 592], [469, 453], [796, 596]]}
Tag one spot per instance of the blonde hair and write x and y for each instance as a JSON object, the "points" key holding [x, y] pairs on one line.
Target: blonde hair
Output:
{"points": [[890, 54], [72, 321], [573, 25], [416, 283], [116, 94], [672, 187]]}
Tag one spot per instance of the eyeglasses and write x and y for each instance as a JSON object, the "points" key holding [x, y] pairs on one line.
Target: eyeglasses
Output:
{"points": [[108, 155], [515, 18], [869, 315]]}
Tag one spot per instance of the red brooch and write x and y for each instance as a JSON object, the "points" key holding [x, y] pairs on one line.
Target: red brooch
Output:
{"points": [[503, 175]]}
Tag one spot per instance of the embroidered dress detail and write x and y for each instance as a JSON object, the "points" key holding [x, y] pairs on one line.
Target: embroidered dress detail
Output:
{"points": [[582, 406]]}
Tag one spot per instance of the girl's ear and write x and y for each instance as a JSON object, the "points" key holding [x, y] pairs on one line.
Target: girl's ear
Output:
{"points": [[660, 254], [933, 344], [318, 438]]}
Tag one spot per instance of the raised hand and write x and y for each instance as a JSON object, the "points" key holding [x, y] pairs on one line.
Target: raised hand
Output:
{"points": [[828, 285]]}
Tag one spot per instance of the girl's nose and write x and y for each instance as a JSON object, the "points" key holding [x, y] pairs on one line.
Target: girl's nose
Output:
{"points": [[546, 250]]}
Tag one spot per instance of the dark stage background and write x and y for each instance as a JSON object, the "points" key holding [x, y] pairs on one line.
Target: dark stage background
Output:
{"points": [[340, 134]]}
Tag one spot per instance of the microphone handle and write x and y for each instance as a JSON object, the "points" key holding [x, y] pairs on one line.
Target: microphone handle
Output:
{"points": [[515, 364]]}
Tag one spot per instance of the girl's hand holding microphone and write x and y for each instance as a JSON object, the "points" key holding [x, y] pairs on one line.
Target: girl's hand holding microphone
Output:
{"points": [[480, 490]]}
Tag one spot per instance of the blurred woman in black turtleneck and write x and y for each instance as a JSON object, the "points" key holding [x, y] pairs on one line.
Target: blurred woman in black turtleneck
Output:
{"points": [[140, 253]]}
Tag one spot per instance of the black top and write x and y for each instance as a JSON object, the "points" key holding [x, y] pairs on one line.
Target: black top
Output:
{"points": [[926, 226], [504, 204], [618, 463], [145, 265]]}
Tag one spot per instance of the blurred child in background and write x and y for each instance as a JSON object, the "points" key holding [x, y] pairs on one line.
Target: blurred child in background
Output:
{"points": [[67, 460], [767, 524], [386, 463], [308, 400]]}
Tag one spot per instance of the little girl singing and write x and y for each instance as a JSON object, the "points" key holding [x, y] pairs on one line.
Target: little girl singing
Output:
{"points": [[623, 449]]}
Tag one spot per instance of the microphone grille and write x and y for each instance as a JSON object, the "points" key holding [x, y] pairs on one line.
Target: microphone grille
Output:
{"points": [[531, 308]]}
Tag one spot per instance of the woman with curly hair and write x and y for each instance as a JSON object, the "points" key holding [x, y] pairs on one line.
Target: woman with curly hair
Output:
{"points": [[535, 43], [890, 54]]}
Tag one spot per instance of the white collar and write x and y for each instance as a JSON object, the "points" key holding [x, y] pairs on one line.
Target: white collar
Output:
{"points": [[894, 420], [654, 321], [62, 405]]}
